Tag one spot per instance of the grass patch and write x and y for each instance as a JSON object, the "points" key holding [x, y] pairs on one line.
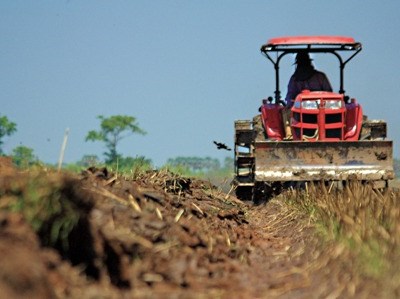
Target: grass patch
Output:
{"points": [[363, 220], [47, 201]]}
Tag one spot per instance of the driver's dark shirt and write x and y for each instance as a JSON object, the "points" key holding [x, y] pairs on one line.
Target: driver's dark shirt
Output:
{"points": [[317, 82]]}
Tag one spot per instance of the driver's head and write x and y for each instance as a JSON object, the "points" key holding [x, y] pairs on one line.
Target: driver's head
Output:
{"points": [[303, 58]]}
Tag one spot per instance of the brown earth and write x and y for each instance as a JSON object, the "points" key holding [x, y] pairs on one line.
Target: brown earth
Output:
{"points": [[162, 236]]}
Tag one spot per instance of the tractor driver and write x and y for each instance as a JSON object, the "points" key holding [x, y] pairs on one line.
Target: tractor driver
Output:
{"points": [[305, 77]]}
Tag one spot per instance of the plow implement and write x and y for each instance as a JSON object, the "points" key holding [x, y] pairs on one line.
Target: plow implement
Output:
{"points": [[268, 163], [315, 161]]}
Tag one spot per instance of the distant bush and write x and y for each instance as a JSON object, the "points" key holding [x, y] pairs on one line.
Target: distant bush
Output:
{"points": [[396, 165], [24, 157], [194, 164]]}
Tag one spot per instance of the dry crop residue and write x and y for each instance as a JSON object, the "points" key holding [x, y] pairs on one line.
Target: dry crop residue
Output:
{"points": [[158, 236]]}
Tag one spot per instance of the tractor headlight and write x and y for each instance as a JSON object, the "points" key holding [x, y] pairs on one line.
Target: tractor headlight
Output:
{"points": [[333, 104], [314, 104]]}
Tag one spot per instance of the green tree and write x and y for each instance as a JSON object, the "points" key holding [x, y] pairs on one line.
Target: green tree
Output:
{"points": [[23, 156], [112, 130], [6, 129], [89, 160]]}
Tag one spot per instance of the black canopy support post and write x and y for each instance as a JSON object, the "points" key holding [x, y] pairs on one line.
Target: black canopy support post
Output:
{"points": [[341, 73], [341, 90], [342, 65], [277, 90], [276, 66], [354, 54]]}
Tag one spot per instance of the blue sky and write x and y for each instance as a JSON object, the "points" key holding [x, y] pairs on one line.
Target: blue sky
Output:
{"points": [[185, 69]]}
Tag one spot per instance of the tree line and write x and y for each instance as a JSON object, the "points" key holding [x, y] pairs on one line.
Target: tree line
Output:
{"points": [[111, 131], [199, 164]]}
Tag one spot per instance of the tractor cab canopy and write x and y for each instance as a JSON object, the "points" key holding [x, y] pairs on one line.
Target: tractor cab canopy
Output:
{"points": [[312, 44]]}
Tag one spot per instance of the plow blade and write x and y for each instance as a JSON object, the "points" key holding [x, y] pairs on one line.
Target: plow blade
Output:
{"points": [[314, 161]]}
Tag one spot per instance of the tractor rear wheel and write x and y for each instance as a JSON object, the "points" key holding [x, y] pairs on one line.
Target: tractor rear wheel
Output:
{"points": [[244, 193]]}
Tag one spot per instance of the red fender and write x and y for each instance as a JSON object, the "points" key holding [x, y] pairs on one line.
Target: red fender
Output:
{"points": [[272, 120], [354, 119]]}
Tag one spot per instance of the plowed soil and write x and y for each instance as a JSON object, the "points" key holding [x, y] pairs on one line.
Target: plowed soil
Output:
{"points": [[161, 236]]}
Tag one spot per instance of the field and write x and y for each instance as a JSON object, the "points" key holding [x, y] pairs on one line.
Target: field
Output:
{"points": [[157, 234]]}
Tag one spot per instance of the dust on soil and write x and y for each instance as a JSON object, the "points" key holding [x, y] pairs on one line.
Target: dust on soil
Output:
{"points": [[161, 236]]}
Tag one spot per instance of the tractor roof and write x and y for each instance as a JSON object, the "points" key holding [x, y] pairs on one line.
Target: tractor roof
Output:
{"points": [[311, 43]]}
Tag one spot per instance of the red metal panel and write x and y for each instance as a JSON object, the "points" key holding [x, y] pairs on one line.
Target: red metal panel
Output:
{"points": [[272, 121], [315, 120], [354, 118], [305, 40]]}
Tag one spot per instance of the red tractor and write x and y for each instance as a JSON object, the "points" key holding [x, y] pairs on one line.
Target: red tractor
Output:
{"points": [[326, 137]]}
